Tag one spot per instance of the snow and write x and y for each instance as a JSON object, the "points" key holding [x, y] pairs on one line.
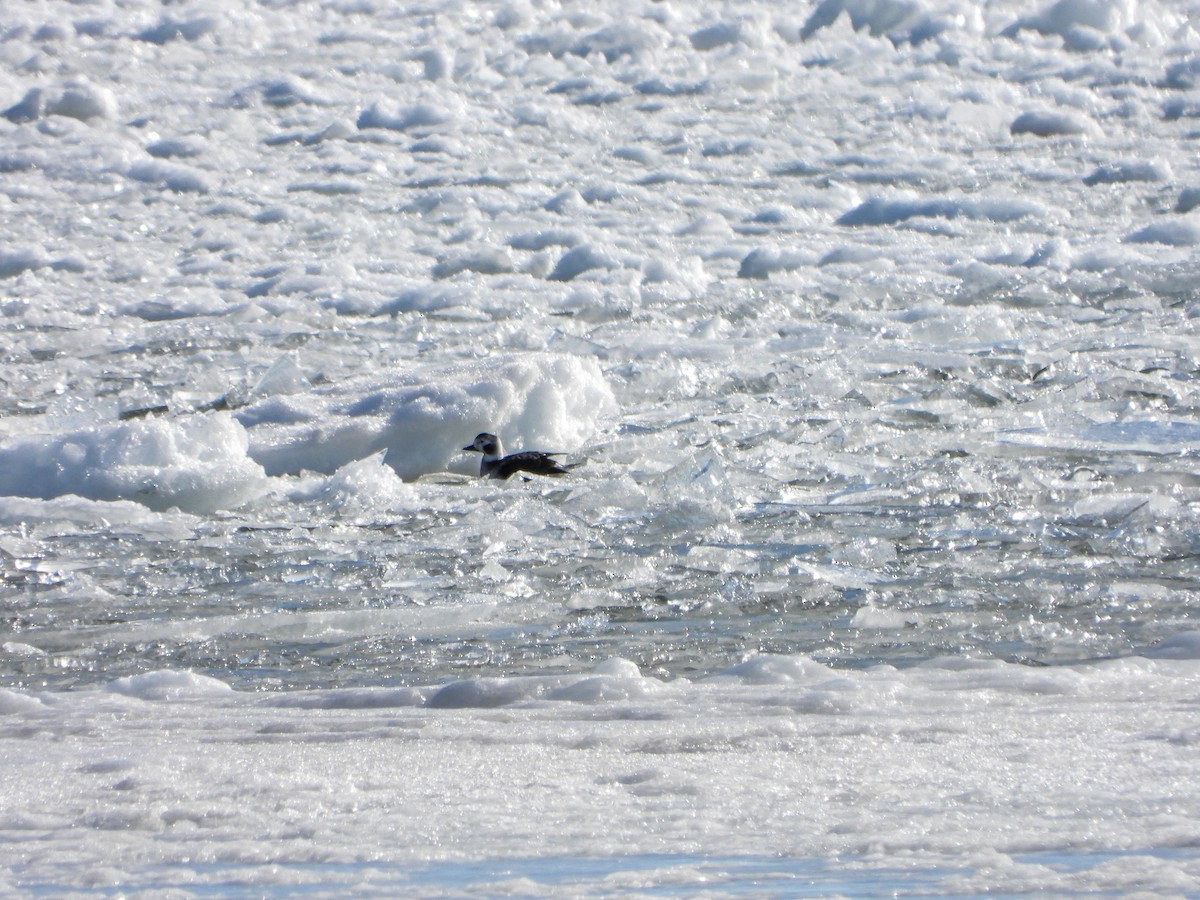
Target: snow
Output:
{"points": [[1051, 123], [421, 418], [195, 464], [370, 789], [870, 325]]}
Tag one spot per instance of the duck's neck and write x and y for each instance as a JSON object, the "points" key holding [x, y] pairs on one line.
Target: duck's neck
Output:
{"points": [[494, 452]]}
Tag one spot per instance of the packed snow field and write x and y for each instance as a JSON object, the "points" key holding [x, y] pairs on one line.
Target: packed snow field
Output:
{"points": [[870, 324]]}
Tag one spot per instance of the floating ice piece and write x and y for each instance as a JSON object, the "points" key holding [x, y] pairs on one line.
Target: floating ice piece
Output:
{"points": [[19, 649], [168, 29], [766, 669], [1067, 17], [15, 260], [486, 693], [168, 685], [420, 416], [900, 20], [1129, 170], [659, 87], [483, 260], [82, 100], [196, 463], [1165, 437], [290, 92], [284, 377], [112, 515], [633, 38], [1189, 199], [1184, 74], [890, 211], [29, 108], [387, 115], [176, 148], [349, 698], [361, 488], [612, 680], [12, 703], [762, 261], [719, 35], [1181, 232], [540, 240], [870, 616], [77, 100], [1185, 645], [578, 260], [173, 176], [1051, 123]]}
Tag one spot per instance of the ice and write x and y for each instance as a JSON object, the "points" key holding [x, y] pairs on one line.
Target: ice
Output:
{"points": [[112, 514], [172, 176], [1177, 646], [1047, 123], [1183, 74], [579, 260], [77, 99], [384, 114], [1066, 17], [1182, 232], [363, 487], [595, 755], [16, 260], [1189, 199], [422, 418], [889, 211], [869, 324], [198, 464], [715, 36], [14, 703], [762, 261], [167, 685], [1130, 170], [170, 29]]}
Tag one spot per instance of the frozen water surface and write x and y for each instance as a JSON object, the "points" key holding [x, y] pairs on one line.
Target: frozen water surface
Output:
{"points": [[872, 326]]}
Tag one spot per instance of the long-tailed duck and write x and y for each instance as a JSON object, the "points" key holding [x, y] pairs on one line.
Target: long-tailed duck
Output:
{"points": [[496, 465]]}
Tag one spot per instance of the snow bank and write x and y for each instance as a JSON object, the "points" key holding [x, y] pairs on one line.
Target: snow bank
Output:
{"points": [[1129, 170], [1176, 232], [76, 99], [890, 211], [581, 259], [172, 176], [1184, 74], [14, 703], [169, 29], [197, 463], [611, 681], [1189, 199], [423, 417], [483, 260], [1073, 20], [762, 261], [944, 769], [391, 116], [18, 259], [899, 20], [168, 685], [1051, 123], [797, 681]]}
